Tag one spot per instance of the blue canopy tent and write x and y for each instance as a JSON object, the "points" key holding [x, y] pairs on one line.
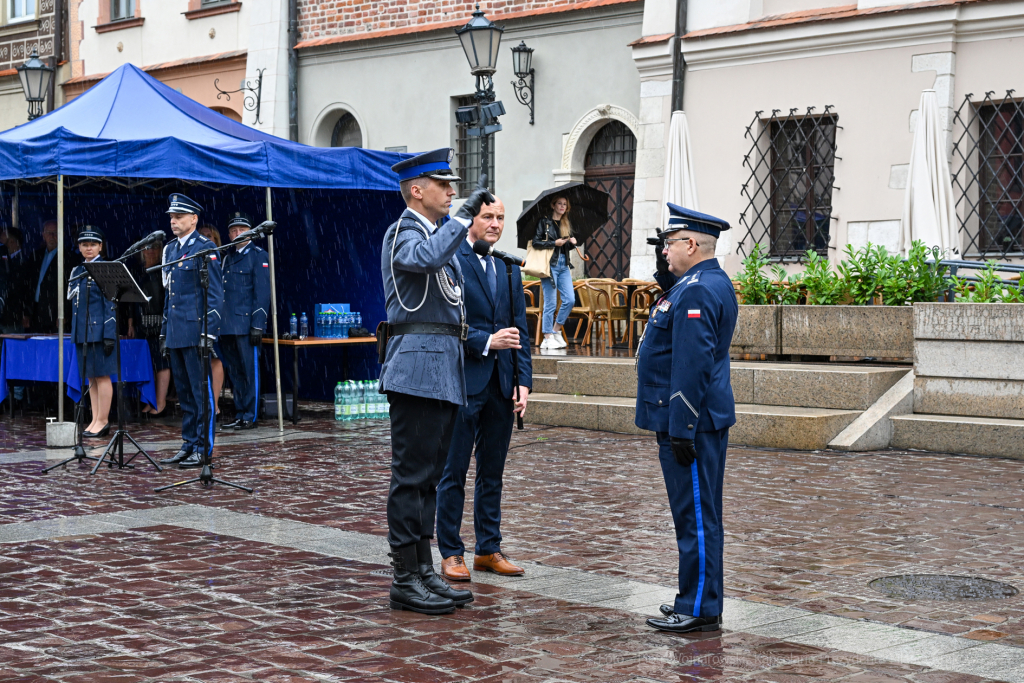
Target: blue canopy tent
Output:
{"points": [[131, 130]]}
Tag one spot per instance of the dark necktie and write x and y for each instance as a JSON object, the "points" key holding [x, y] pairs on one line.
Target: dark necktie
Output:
{"points": [[492, 278]]}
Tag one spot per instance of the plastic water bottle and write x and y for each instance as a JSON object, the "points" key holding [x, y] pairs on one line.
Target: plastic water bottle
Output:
{"points": [[332, 324], [348, 324], [346, 391], [359, 319], [293, 325], [303, 327], [339, 402], [369, 407], [319, 331]]}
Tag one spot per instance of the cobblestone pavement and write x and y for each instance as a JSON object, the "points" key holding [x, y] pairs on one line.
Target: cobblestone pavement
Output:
{"points": [[805, 530]]}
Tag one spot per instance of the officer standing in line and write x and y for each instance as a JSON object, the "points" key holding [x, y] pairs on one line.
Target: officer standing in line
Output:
{"points": [[246, 301], [181, 334], [423, 373], [684, 395]]}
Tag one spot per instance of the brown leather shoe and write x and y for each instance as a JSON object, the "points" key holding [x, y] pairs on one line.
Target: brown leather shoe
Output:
{"points": [[454, 568], [497, 563]]}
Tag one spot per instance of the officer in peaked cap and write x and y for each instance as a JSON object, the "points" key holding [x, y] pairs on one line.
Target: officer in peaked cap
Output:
{"points": [[423, 367], [246, 302], [181, 334], [94, 332], [685, 397]]}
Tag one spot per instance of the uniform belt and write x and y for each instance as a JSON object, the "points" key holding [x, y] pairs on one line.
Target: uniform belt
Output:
{"points": [[460, 331]]}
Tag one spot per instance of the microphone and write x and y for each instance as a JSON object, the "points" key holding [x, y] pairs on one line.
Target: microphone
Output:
{"points": [[151, 238], [484, 248], [262, 230]]}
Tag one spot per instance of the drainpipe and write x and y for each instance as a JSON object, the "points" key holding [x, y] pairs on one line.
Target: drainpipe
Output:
{"points": [[678, 61], [293, 71], [58, 52]]}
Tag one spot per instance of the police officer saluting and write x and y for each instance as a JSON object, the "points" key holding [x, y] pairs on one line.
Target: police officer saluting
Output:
{"points": [[684, 395], [246, 300], [423, 368], [181, 334]]}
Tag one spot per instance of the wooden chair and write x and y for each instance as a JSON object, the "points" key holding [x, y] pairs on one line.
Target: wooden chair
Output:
{"points": [[534, 304], [640, 308], [593, 308], [618, 308]]}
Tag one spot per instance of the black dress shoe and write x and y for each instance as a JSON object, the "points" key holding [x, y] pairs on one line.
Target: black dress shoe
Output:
{"points": [[230, 425], [677, 623], [194, 460], [177, 457], [407, 589], [669, 610], [94, 435], [436, 583], [245, 424]]}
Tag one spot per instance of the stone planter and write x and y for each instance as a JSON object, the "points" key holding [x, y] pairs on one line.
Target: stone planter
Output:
{"points": [[856, 331], [853, 331], [969, 360]]}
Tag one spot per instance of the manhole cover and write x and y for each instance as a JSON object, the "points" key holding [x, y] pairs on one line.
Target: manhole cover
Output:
{"points": [[383, 572], [939, 587]]}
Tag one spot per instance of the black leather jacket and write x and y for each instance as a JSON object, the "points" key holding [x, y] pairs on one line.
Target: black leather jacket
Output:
{"points": [[544, 238]]}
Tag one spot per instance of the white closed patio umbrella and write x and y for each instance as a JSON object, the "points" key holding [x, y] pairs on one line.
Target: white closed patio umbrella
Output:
{"points": [[929, 208]]}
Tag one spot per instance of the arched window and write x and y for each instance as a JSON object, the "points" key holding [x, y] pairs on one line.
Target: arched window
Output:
{"points": [[347, 132]]}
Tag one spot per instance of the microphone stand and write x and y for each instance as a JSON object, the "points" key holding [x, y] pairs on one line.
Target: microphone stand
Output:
{"points": [[79, 449], [515, 352], [205, 477]]}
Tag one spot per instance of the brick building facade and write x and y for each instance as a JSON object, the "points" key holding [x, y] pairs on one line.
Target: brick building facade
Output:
{"points": [[323, 18]]}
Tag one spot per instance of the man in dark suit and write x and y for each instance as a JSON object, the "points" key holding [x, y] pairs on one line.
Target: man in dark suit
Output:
{"points": [[486, 420], [13, 264], [42, 282]]}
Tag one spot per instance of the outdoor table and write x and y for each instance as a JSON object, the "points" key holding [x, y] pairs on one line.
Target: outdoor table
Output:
{"points": [[34, 358], [296, 344]]}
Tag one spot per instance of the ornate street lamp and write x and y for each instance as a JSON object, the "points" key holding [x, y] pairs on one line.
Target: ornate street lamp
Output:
{"points": [[480, 41], [35, 82], [522, 66]]}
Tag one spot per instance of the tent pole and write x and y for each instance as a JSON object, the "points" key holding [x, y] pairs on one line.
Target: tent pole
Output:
{"points": [[14, 205], [60, 299], [273, 324]]}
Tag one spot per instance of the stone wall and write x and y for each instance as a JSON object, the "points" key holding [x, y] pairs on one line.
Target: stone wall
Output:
{"points": [[969, 360]]}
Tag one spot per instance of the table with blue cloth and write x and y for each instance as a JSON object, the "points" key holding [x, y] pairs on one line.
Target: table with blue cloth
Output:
{"points": [[34, 359]]}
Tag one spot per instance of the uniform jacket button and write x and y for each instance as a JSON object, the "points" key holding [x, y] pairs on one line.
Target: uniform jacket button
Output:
{"points": [[689, 426], [659, 402]]}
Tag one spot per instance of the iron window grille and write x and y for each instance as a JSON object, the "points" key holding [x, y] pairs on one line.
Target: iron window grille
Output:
{"points": [[614, 145], [988, 175], [467, 154], [122, 9], [789, 191]]}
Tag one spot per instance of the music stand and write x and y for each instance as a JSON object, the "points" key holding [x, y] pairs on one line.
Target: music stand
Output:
{"points": [[118, 285]]}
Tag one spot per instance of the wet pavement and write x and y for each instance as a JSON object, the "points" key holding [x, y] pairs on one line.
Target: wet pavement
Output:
{"points": [[163, 602]]}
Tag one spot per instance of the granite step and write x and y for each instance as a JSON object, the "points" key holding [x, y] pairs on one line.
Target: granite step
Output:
{"points": [[836, 387], [991, 436], [545, 384], [756, 425]]}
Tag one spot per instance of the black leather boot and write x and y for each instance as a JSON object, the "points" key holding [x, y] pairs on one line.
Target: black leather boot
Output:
{"points": [[407, 589], [436, 583]]}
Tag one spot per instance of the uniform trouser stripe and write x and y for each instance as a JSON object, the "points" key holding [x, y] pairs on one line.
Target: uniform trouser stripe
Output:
{"points": [[700, 538], [213, 417], [256, 382]]}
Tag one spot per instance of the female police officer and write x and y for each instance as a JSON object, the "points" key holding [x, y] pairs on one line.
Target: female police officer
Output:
{"points": [[94, 333]]}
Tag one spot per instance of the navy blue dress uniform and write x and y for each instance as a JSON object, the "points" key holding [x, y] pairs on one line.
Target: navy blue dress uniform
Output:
{"points": [[486, 420], [93, 327], [244, 318], [182, 331], [423, 377], [684, 393]]}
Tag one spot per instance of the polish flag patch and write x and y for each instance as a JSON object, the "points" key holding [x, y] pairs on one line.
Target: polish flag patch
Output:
{"points": [[213, 257], [693, 313], [266, 265]]}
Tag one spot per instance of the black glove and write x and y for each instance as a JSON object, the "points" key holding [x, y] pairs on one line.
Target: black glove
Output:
{"points": [[164, 352], [683, 451], [659, 255], [108, 347], [471, 207], [208, 343], [255, 336]]}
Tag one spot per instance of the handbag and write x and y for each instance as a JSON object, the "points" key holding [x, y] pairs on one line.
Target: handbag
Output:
{"points": [[538, 262]]}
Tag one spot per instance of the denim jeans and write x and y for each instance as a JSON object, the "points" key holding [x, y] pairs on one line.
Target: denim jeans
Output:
{"points": [[561, 279]]}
